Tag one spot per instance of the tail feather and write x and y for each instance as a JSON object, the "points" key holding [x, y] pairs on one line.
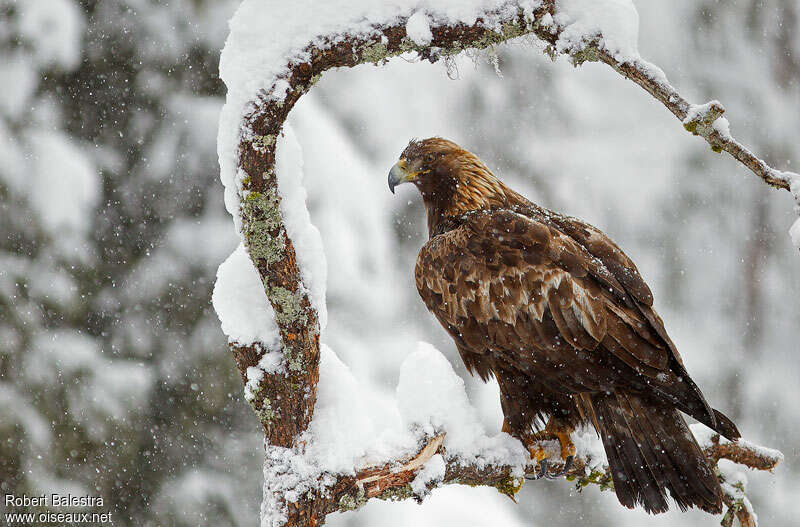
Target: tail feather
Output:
{"points": [[654, 453], [634, 482], [678, 456], [651, 451], [693, 403], [726, 427]]}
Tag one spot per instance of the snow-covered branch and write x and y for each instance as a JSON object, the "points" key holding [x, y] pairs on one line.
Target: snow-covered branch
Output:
{"points": [[271, 59], [431, 466]]}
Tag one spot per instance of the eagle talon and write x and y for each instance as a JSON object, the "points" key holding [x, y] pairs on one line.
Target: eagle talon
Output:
{"points": [[562, 472], [542, 471]]}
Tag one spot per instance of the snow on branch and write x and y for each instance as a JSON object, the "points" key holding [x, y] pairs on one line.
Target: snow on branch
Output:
{"points": [[430, 466], [270, 293], [396, 480]]}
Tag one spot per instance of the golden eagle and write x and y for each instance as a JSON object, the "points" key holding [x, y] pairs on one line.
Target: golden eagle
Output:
{"points": [[559, 315]]}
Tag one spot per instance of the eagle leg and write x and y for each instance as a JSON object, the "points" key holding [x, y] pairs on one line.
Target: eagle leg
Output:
{"points": [[554, 430], [542, 473], [560, 431], [563, 471]]}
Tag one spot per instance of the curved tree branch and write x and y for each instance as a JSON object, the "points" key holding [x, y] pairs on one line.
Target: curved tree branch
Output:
{"points": [[284, 401]]}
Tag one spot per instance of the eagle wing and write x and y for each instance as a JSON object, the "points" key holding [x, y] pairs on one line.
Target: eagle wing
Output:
{"points": [[507, 283], [615, 261], [504, 267]]}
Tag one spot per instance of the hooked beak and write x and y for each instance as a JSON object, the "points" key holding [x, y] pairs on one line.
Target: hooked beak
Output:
{"points": [[399, 174]]}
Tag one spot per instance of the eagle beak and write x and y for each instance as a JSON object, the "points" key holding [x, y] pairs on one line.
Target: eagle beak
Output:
{"points": [[399, 174]]}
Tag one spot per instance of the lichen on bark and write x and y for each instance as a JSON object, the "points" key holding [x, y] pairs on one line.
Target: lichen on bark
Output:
{"points": [[262, 226]]}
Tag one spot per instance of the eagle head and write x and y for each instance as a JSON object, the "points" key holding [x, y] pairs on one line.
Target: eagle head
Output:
{"points": [[451, 180]]}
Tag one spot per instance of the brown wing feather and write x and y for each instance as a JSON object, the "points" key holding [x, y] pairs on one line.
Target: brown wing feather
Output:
{"points": [[613, 259], [598, 245], [515, 264]]}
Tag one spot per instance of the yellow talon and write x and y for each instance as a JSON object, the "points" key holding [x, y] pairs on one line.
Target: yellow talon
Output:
{"points": [[553, 430]]}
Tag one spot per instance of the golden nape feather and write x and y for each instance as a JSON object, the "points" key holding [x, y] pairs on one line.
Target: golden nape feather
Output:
{"points": [[561, 317]]}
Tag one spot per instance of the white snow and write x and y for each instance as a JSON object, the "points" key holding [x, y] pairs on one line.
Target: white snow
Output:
{"points": [[304, 235], [19, 81], [432, 472], [696, 110], [246, 316], [254, 378], [589, 447], [432, 398], [355, 426], [241, 304], [734, 484], [54, 28], [352, 425], [112, 390], [723, 127], [64, 187], [794, 233], [418, 29], [616, 20], [704, 434]]}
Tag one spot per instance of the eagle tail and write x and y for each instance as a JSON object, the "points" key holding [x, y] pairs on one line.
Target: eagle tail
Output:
{"points": [[693, 403], [651, 451], [725, 426]]}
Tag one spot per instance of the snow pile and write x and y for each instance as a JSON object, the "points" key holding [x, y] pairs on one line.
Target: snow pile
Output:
{"points": [[589, 447], [352, 425], [432, 472], [734, 484], [241, 304], [616, 20], [720, 124], [246, 316], [794, 188], [418, 29], [304, 235], [355, 427], [432, 398], [794, 233]]}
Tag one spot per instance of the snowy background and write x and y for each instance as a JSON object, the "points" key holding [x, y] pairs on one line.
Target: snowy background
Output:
{"points": [[115, 379]]}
